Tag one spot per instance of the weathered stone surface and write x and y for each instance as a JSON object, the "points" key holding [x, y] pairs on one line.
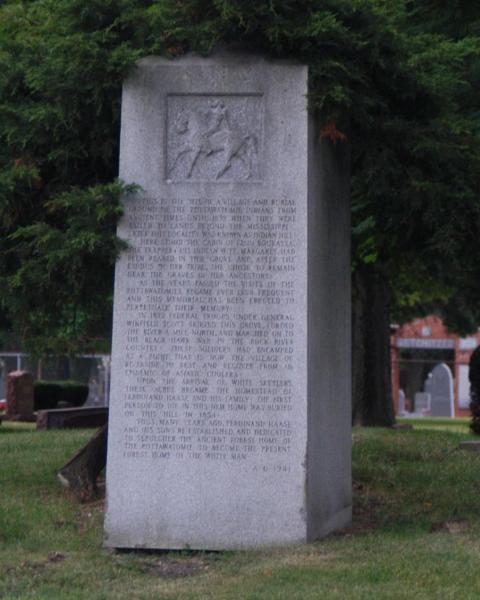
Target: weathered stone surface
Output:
{"points": [[72, 418], [471, 445], [405, 426], [442, 392], [230, 396], [20, 394], [423, 402]]}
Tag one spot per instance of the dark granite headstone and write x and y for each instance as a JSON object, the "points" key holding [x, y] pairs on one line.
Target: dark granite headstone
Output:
{"points": [[19, 394], [72, 418]]}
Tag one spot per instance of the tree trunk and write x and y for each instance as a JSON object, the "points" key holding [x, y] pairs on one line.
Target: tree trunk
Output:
{"points": [[80, 474], [63, 367], [372, 390], [414, 381]]}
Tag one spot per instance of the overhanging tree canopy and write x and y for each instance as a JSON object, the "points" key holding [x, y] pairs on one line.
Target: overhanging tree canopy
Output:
{"points": [[400, 91]]}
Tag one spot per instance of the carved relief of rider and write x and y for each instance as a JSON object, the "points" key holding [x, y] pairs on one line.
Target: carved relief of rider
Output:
{"points": [[218, 117], [208, 132], [216, 121]]}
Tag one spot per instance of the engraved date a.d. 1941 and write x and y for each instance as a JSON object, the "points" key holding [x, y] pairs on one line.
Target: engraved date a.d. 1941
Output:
{"points": [[214, 138]]}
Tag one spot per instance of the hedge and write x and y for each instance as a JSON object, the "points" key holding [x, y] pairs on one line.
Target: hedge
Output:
{"points": [[48, 394]]}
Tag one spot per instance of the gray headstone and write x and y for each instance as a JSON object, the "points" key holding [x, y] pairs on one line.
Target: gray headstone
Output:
{"points": [[442, 392], [230, 390], [422, 402], [401, 402]]}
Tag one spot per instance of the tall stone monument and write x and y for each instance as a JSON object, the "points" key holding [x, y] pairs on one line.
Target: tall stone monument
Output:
{"points": [[230, 393]]}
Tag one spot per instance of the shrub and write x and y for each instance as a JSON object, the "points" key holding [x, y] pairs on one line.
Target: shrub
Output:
{"points": [[48, 394]]}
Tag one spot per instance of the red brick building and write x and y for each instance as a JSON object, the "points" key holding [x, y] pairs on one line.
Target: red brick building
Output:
{"points": [[417, 347]]}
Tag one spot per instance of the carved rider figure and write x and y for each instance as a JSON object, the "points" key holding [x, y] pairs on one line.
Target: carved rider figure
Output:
{"points": [[208, 131], [218, 118]]}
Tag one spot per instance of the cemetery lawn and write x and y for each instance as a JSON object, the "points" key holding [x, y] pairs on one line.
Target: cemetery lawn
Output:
{"points": [[416, 530]]}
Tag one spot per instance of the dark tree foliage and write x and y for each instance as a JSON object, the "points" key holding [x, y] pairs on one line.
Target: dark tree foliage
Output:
{"points": [[455, 18], [61, 69], [417, 213], [386, 74], [441, 273]]}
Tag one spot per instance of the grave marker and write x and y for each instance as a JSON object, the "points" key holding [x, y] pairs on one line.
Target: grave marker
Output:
{"points": [[442, 392], [20, 394], [423, 402], [230, 408]]}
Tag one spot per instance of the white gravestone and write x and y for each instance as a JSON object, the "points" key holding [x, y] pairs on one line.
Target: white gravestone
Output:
{"points": [[442, 392], [230, 391], [423, 403], [401, 402]]}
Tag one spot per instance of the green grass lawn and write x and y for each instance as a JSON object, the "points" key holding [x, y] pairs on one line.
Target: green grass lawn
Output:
{"points": [[460, 424], [416, 530]]}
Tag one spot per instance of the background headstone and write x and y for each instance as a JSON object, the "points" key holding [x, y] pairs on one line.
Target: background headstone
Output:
{"points": [[401, 402], [20, 394], [230, 416], [442, 392], [423, 403], [81, 417]]}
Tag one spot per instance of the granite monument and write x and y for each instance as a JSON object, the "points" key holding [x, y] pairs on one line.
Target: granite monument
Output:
{"points": [[230, 417], [422, 401]]}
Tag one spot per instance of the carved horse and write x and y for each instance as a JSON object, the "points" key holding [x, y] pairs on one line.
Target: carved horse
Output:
{"points": [[200, 141]]}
